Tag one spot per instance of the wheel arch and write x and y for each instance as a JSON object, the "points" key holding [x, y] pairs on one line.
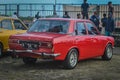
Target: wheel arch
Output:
{"points": [[74, 48], [106, 46], [105, 55], [110, 44], [70, 63]]}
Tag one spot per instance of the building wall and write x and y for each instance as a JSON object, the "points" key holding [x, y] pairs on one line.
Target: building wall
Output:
{"points": [[28, 10]]}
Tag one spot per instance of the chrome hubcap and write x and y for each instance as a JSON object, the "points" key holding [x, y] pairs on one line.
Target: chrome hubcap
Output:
{"points": [[109, 52], [73, 59]]}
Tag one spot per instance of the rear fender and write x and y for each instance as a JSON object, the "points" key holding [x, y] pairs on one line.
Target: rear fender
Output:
{"points": [[74, 47]]}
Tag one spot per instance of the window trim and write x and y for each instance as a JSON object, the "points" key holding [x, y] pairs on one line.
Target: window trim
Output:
{"points": [[98, 33], [7, 20], [19, 22], [76, 28]]}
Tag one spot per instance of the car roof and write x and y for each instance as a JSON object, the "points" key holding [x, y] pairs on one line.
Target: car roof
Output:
{"points": [[4, 17], [67, 19]]}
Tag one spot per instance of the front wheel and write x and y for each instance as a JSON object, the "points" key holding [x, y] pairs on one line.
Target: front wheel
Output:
{"points": [[108, 52], [29, 60], [71, 59]]}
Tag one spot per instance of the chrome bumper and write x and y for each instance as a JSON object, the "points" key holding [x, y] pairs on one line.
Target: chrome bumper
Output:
{"points": [[30, 51]]}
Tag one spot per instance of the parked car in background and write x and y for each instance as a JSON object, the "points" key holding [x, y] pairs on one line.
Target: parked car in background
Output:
{"points": [[9, 26], [67, 40]]}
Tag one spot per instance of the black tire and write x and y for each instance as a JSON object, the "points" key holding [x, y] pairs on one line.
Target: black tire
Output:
{"points": [[71, 59], [1, 50], [108, 52], [29, 60]]}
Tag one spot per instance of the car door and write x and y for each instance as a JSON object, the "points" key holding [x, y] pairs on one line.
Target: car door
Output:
{"points": [[95, 42], [6, 28], [82, 41]]}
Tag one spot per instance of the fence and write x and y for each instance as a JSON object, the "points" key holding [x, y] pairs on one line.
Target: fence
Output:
{"points": [[47, 10]]}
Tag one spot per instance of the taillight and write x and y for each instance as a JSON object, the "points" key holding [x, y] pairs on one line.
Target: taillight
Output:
{"points": [[46, 44], [49, 45]]}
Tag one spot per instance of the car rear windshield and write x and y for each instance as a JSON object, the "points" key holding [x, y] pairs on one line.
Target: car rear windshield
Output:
{"points": [[55, 26]]}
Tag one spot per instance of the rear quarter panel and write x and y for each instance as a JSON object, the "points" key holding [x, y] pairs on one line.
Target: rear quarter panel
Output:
{"points": [[62, 45], [105, 40]]}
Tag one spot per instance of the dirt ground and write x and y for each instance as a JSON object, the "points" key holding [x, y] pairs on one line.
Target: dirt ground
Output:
{"points": [[92, 69]]}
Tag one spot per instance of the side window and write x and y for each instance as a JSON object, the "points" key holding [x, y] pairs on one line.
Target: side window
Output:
{"points": [[6, 24], [91, 29], [18, 25], [80, 28]]}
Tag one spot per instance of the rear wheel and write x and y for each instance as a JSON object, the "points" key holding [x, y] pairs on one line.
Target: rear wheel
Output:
{"points": [[29, 60], [71, 59], [1, 50], [108, 52]]}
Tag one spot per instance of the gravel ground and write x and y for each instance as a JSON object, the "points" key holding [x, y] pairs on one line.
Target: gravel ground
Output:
{"points": [[92, 69]]}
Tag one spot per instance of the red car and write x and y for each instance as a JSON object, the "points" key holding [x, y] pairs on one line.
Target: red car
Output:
{"points": [[67, 40]]}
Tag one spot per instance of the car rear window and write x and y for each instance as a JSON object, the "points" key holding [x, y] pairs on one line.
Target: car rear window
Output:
{"points": [[55, 26]]}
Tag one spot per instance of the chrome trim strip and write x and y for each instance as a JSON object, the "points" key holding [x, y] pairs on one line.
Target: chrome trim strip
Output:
{"points": [[30, 51]]}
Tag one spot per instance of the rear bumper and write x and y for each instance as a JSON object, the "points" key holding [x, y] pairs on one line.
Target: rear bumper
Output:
{"points": [[30, 51]]}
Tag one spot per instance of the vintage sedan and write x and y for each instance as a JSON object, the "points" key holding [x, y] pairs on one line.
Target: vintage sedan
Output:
{"points": [[9, 26], [66, 40]]}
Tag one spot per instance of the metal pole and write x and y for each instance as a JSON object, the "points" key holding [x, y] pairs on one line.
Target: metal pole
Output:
{"points": [[54, 8], [18, 9], [55, 2], [6, 9]]}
